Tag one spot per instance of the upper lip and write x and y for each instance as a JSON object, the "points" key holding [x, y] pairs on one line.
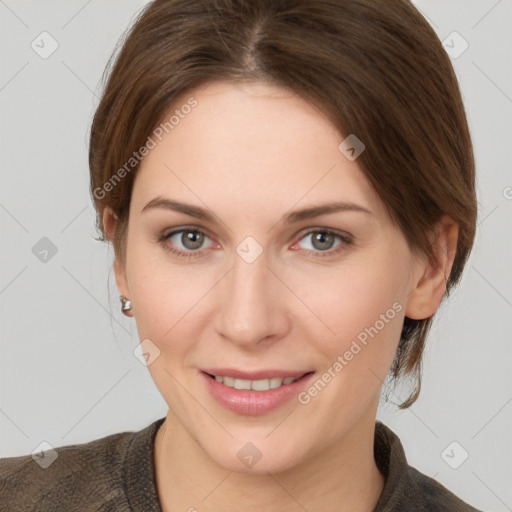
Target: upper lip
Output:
{"points": [[254, 375]]}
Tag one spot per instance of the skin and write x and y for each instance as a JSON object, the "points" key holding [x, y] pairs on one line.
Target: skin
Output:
{"points": [[249, 155]]}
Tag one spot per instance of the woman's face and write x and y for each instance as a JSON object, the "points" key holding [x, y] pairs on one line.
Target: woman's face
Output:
{"points": [[257, 251]]}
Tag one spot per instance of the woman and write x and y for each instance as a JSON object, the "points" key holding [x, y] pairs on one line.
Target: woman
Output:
{"points": [[289, 190]]}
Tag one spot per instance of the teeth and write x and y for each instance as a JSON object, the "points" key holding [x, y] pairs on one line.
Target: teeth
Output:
{"points": [[255, 385], [275, 382], [242, 384], [229, 381], [261, 385]]}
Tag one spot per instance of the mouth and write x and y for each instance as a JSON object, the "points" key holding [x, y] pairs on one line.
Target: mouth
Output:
{"points": [[255, 385], [254, 393]]}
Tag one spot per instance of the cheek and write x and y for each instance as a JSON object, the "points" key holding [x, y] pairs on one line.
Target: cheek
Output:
{"points": [[165, 303], [364, 311], [168, 302], [167, 297], [361, 306]]}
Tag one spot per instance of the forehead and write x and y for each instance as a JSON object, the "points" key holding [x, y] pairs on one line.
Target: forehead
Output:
{"points": [[255, 144]]}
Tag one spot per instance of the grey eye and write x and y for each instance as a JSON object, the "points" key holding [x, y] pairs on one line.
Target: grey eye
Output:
{"points": [[192, 239], [322, 241]]}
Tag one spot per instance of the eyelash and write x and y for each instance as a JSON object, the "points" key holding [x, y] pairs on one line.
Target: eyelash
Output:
{"points": [[345, 239]]}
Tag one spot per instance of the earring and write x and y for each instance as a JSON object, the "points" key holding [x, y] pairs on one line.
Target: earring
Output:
{"points": [[126, 304]]}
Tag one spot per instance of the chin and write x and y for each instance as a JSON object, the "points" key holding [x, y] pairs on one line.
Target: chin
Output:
{"points": [[258, 457]]}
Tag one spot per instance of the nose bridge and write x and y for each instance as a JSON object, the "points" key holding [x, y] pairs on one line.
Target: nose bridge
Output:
{"points": [[251, 308]]}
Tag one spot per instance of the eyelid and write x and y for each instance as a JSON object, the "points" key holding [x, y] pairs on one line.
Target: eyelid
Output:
{"points": [[195, 229], [331, 231], [344, 237]]}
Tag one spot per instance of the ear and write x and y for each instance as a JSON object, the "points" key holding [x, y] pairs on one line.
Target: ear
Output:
{"points": [[434, 273], [109, 220]]}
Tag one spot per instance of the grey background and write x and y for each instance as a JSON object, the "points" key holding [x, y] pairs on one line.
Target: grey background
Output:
{"points": [[68, 373]]}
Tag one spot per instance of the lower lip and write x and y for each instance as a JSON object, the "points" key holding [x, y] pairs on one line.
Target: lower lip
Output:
{"points": [[254, 403]]}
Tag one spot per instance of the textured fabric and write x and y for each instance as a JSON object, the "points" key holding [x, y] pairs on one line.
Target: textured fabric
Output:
{"points": [[406, 489], [116, 473]]}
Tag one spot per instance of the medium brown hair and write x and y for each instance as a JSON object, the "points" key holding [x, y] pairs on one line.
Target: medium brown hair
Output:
{"points": [[374, 67]]}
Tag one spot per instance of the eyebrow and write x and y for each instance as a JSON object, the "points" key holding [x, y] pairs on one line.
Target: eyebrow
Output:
{"points": [[289, 218]]}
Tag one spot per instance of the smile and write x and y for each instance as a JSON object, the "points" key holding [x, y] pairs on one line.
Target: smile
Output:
{"points": [[254, 394], [256, 385]]}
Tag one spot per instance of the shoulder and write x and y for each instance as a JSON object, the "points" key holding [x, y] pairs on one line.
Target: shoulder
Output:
{"points": [[406, 488], [433, 495], [56, 479]]}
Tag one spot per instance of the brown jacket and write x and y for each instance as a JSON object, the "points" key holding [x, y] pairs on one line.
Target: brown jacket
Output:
{"points": [[116, 474]]}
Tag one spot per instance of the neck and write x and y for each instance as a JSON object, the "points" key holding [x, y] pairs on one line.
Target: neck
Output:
{"points": [[343, 477]]}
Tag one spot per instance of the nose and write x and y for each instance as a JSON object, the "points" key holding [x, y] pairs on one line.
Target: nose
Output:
{"points": [[253, 306]]}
